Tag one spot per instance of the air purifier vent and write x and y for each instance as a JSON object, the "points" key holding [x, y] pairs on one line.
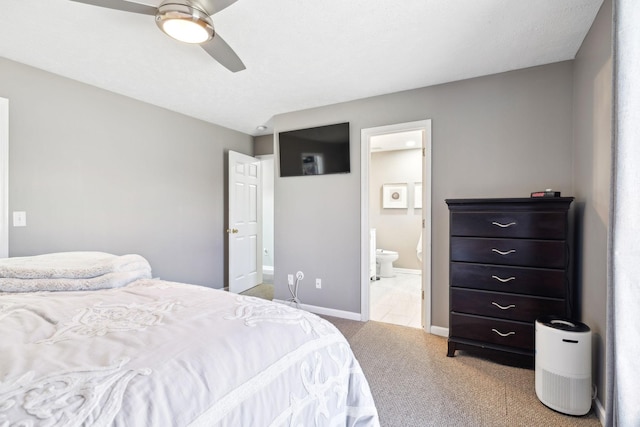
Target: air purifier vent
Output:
{"points": [[565, 394]]}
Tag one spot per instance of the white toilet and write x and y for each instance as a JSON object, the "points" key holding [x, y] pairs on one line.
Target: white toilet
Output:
{"points": [[384, 262]]}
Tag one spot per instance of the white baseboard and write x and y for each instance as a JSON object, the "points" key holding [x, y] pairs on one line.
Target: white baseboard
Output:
{"points": [[326, 311], [407, 271], [440, 331], [599, 410]]}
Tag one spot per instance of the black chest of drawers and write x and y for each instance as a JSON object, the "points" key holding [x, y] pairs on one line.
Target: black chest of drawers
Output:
{"points": [[509, 264]]}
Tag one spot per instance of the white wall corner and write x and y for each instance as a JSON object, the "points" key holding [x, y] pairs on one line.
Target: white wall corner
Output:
{"points": [[4, 177]]}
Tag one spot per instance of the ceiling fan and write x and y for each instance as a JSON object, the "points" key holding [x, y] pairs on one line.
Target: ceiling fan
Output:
{"points": [[188, 21]]}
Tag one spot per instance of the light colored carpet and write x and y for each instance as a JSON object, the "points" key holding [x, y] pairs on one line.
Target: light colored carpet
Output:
{"points": [[415, 384]]}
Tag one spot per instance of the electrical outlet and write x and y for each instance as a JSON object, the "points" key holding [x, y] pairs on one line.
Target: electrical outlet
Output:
{"points": [[290, 279], [318, 283], [299, 275], [19, 219]]}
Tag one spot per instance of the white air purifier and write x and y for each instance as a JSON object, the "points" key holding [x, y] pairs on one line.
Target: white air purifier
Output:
{"points": [[563, 365]]}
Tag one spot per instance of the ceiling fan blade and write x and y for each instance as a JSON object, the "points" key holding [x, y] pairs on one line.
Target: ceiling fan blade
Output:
{"points": [[215, 6], [222, 52], [125, 6]]}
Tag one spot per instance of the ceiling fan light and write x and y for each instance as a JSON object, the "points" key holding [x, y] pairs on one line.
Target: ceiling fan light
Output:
{"points": [[184, 23], [185, 31]]}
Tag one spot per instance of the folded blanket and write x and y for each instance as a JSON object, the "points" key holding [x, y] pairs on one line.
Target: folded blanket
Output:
{"points": [[71, 271], [109, 280], [70, 265]]}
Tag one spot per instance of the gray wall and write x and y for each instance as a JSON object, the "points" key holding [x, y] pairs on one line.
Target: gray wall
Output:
{"points": [[98, 171], [263, 145], [592, 98], [396, 229], [503, 135]]}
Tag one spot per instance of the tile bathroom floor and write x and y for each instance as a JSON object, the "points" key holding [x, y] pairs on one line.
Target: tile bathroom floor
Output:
{"points": [[397, 300]]}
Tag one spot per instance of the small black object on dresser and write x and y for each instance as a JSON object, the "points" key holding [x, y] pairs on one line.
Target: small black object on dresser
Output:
{"points": [[509, 264]]}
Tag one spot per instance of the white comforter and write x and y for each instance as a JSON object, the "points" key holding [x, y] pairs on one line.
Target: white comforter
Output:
{"points": [[158, 353]]}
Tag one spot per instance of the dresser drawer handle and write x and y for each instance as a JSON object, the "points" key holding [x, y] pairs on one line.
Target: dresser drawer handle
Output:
{"points": [[503, 335], [508, 279], [503, 225], [502, 307], [510, 251]]}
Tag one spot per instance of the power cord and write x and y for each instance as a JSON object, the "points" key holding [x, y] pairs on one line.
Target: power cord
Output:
{"points": [[293, 289]]}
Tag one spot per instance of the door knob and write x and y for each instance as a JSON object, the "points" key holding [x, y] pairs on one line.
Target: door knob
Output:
{"points": [[232, 230]]}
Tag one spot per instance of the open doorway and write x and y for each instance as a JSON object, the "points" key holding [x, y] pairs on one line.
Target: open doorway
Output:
{"points": [[396, 214], [250, 216]]}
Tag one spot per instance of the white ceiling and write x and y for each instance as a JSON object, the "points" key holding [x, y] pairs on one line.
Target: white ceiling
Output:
{"points": [[299, 53], [396, 141]]}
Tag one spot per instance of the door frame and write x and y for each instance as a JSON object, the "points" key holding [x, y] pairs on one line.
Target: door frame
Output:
{"points": [[4, 177], [365, 162]]}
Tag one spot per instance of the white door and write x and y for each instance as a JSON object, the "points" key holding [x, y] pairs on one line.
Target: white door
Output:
{"points": [[245, 239]]}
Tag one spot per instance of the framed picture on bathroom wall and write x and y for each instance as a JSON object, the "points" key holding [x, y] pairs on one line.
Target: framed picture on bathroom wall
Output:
{"points": [[417, 195], [394, 196]]}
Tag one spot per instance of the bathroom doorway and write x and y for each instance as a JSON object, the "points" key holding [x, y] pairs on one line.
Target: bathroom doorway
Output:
{"points": [[396, 216]]}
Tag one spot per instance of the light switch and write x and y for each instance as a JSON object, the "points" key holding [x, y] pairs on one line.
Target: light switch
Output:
{"points": [[20, 219]]}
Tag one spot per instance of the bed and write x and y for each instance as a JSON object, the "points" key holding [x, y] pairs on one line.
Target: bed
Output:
{"points": [[88, 338]]}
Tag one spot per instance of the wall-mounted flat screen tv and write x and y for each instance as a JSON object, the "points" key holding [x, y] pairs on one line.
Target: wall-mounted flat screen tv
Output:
{"points": [[319, 150]]}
